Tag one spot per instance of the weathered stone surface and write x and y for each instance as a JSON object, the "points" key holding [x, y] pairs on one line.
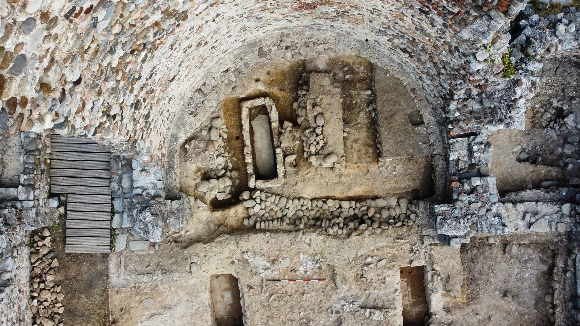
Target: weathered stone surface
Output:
{"points": [[28, 25], [121, 243], [18, 65], [114, 72], [138, 245], [540, 225]]}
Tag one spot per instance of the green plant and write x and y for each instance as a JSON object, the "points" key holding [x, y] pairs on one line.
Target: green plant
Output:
{"points": [[508, 66], [113, 239], [490, 58], [31, 241]]}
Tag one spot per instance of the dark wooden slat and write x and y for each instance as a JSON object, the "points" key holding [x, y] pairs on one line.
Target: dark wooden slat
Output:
{"points": [[85, 249], [106, 174], [81, 168], [88, 207], [96, 199], [71, 140], [91, 216], [87, 148], [78, 156], [94, 241], [58, 189], [67, 181], [80, 165], [84, 224], [88, 232]]}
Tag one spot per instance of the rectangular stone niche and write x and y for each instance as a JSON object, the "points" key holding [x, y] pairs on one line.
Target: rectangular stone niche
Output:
{"points": [[415, 308], [262, 151], [226, 300]]}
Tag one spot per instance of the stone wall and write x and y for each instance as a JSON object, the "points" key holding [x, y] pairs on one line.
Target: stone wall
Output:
{"points": [[22, 209], [126, 71]]}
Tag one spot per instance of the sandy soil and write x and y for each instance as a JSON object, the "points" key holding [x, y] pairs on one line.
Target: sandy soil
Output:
{"points": [[513, 175], [508, 281], [84, 281]]}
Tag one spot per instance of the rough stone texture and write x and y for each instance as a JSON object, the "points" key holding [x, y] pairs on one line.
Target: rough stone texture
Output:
{"points": [[19, 214], [120, 52], [143, 76]]}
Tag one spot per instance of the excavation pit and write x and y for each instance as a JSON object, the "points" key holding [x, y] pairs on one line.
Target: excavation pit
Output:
{"points": [[225, 297], [415, 308]]}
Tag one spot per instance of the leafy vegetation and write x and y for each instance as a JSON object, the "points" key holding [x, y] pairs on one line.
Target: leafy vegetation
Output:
{"points": [[31, 241], [508, 66], [113, 239], [490, 54]]}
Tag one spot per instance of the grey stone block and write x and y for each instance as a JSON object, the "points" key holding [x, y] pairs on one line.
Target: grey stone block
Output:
{"points": [[121, 242], [118, 205], [127, 220], [28, 25], [117, 221], [53, 202], [8, 193], [138, 245], [18, 65], [541, 225], [23, 193], [127, 181]]}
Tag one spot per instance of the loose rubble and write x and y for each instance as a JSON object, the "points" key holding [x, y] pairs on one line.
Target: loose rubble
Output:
{"points": [[45, 296], [313, 139], [217, 173]]}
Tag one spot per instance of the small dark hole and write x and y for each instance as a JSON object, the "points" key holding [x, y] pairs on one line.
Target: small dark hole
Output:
{"points": [[366, 39], [78, 81], [257, 80]]}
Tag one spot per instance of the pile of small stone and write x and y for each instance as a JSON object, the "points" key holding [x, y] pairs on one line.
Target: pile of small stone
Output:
{"points": [[300, 105], [287, 143], [218, 175], [337, 217], [219, 188], [45, 296], [313, 137], [216, 146]]}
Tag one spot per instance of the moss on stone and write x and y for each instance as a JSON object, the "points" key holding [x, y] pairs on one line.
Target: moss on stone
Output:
{"points": [[113, 239], [508, 66]]}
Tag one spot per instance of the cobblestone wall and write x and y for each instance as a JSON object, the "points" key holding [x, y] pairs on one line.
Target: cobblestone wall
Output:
{"points": [[125, 70]]}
